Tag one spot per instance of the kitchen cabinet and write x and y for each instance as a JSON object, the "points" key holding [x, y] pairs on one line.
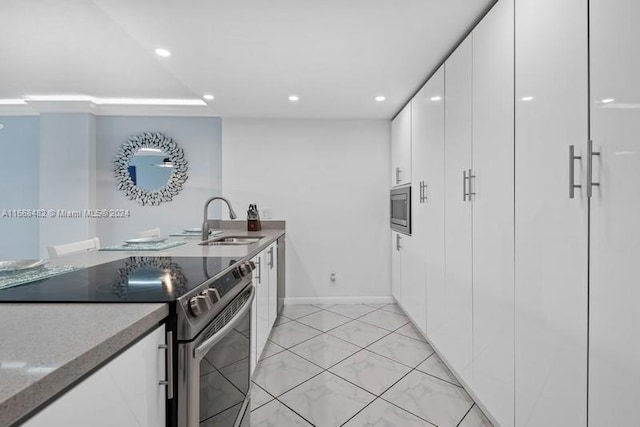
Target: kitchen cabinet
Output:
{"points": [[125, 392], [452, 330], [614, 348], [431, 105], [397, 242], [260, 281], [551, 228], [424, 251], [272, 273], [264, 310], [401, 147], [492, 185]]}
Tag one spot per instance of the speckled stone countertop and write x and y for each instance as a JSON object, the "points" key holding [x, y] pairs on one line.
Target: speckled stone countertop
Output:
{"points": [[45, 348]]}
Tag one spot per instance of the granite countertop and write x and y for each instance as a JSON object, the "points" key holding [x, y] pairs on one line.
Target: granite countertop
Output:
{"points": [[48, 347]]}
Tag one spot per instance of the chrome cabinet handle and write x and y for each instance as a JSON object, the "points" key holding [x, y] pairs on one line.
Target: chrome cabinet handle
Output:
{"points": [[590, 155], [471, 192], [397, 175], [423, 192], [464, 185], [398, 247], [572, 159], [270, 258], [259, 269], [168, 347]]}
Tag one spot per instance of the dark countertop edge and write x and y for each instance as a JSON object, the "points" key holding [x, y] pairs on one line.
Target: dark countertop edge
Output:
{"points": [[46, 390]]}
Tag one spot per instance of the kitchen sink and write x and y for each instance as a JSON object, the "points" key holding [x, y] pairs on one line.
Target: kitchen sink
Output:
{"points": [[232, 241]]}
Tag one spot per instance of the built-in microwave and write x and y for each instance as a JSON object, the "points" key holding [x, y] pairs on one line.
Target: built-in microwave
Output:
{"points": [[401, 209]]}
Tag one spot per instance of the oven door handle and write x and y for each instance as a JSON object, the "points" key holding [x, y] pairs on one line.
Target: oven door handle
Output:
{"points": [[200, 351]]}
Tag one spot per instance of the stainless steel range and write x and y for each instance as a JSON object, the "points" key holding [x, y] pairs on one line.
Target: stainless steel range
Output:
{"points": [[214, 346]]}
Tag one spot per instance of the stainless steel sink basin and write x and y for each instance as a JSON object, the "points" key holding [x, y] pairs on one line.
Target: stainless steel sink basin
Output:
{"points": [[232, 241]]}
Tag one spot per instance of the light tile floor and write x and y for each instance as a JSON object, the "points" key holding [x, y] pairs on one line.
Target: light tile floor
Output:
{"points": [[355, 365]]}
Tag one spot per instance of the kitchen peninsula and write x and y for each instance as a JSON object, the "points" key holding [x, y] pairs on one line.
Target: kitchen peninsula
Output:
{"points": [[52, 341]]}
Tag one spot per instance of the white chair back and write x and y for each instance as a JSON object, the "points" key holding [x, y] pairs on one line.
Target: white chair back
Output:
{"points": [[70, 248], [154, 232]]}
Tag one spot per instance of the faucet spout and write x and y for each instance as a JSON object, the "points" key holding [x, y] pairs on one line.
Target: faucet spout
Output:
{"points": [[205, 223]]}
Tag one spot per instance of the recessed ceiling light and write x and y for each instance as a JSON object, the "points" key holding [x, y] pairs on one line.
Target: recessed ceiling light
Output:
{"points": [[1, 126], [435, 98], [380, 98], [294, 98], [209, 97], [607, 100], [527, 98], [162, 52]]}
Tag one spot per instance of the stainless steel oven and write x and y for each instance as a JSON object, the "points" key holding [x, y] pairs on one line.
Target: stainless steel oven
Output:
{"points": [[400, 199], [213, 370]]}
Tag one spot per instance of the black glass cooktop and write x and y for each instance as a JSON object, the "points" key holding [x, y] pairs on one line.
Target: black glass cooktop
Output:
{"points": [[133, 279]]}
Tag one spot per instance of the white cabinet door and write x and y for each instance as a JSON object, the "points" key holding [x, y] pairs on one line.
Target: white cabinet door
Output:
{"points": [[614, 347], [261, 282], [550, 228], [401, 147], [124, 392], [426, 246], [272, 267], [396, 265], [493, 282], [452, 336], [431, 102]]}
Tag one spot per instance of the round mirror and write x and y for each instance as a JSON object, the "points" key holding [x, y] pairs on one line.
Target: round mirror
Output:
{"points": [[150, 168]]}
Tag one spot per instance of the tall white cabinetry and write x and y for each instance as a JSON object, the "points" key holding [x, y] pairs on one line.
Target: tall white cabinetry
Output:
{"points": [[452, 329], [614, 347], [124, 392], [430, 105], [491, 187], [425, 251], [401, 147], [551, 228]]}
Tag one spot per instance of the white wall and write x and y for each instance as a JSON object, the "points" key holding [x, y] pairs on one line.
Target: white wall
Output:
{"points": [[67, 175], [329, 180], [19, 182], [199, 137]]}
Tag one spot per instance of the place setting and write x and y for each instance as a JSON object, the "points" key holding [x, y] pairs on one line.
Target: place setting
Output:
{"points": [[194, 232], [156, 243], [19, 272]]}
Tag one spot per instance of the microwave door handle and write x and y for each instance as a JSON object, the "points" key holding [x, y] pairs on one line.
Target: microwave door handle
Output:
{"points": [[200, 351]]}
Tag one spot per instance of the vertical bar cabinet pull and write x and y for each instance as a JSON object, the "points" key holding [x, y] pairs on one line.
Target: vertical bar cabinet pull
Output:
{"points": [[572, 159], [590, 155], [464, 185]]}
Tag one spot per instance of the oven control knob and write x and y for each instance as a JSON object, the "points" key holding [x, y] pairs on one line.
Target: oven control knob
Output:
{"points": [[211, 295], [237, 273], [247, 267], [198, 305]]}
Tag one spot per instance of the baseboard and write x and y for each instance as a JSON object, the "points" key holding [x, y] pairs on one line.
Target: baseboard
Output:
{"points": [[339, 300]]}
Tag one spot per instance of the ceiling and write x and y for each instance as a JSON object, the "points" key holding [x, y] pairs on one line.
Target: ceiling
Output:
{"points": [[336, 55]]}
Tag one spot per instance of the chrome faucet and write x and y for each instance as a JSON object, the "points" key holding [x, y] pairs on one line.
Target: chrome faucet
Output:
{"points": [[205, 223]]}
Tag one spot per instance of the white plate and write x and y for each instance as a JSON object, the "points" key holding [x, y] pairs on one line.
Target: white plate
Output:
{"points": [[24, 264], [140, 240], [193, 230]]}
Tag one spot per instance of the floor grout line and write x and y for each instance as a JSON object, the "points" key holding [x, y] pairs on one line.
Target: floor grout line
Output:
{"points": [[360, 350]]}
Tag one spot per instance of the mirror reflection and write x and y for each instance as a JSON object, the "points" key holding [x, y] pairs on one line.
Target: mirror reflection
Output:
{"points": [[150, 168]]}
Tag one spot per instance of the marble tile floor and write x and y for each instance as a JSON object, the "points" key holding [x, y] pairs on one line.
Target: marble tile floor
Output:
{"points": [[355, 365]]}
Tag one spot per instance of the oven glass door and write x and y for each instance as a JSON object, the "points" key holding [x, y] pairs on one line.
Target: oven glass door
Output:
{"points": [[400, 209], [224, 377], [214, 370]]}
